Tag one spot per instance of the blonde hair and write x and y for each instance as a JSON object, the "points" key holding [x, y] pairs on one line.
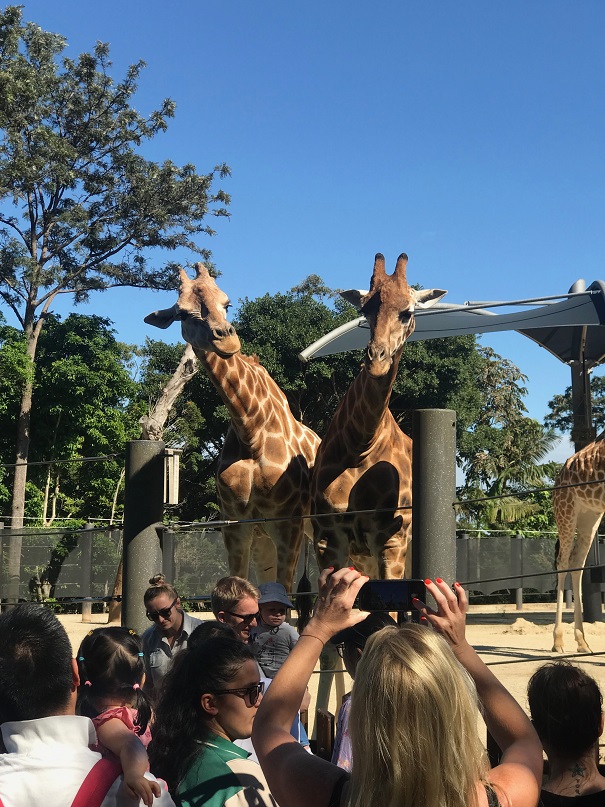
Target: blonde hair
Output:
{"points": [[413, 724], [229, 591]]}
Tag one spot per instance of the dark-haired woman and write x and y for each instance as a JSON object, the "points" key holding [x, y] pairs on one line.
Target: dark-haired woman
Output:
{"points": [[567, 711], [209, 700], [111, 669]]}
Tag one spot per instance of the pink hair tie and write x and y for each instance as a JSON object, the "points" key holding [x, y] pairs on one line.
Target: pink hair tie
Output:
{"points": [[136, 686], [87, 684]]}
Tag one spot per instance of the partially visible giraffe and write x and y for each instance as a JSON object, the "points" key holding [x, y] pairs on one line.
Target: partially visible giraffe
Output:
{"points": [[578, 512], [365, 461], [264, 467]]}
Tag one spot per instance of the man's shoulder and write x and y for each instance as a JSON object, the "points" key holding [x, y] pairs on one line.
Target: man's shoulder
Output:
{"points": [[190, 623]]}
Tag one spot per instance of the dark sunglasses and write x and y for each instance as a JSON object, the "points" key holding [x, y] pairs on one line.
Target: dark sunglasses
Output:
{"points": [[246, 618], [153, 616], [252, 692]]}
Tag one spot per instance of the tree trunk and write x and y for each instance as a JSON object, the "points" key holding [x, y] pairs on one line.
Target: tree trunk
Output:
{"points": [[152, 428]]}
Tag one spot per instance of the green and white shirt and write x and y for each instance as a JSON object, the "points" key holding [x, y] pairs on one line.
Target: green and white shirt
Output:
{"points": [[221, 775]]}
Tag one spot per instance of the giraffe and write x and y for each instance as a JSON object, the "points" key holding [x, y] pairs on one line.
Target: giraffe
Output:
{"points": [[264, 467], [577, 510], [365, 461]]}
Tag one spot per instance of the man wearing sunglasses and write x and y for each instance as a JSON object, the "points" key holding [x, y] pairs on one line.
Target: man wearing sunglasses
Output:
{"points": [[169, 632], [234, 600]]}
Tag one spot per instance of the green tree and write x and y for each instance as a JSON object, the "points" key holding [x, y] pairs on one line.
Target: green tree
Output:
{"points": [[81, 205], [502, 454], [560, 416]]}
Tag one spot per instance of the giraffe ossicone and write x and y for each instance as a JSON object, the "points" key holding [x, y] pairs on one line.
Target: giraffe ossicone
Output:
{"points": [[265, 464]]}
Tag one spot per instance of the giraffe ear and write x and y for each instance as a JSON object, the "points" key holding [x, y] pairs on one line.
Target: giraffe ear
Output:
{"points": [[425, 298], [353, 296], [162, 319]]}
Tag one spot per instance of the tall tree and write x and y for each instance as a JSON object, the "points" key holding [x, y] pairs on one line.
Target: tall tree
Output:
{"points": [[80, 205], [560, 416]]}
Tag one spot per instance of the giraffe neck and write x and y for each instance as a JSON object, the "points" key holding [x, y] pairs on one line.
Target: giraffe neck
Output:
{"points": [[365, 406], [254, 401]]}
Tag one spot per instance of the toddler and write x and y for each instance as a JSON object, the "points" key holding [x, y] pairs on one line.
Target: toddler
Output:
{"points": [[272, 638], [110, 663]]}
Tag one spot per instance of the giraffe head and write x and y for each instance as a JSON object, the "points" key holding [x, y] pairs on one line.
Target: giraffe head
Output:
{"points": [[202, 310], [389, 309]]}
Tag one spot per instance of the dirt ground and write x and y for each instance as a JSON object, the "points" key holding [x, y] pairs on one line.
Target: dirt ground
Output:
{"points": [[514, 643]]}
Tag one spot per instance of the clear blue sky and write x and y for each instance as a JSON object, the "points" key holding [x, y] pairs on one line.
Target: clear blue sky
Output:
{"points": [[467, 134]]}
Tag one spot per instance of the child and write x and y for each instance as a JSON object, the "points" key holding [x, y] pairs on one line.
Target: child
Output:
{"points": [[110, 663], [272, 638]]}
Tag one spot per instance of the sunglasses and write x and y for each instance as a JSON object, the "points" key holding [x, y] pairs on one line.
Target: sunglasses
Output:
{"points": [[153, 616], [246, 618], [252, 693]]}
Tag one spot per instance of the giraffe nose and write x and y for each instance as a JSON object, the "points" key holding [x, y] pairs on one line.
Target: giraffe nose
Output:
{"points": [[224, 332], [377, 352]]}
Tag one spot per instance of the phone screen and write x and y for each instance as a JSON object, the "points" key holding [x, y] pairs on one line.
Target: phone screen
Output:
{"points": [[391, 595]]}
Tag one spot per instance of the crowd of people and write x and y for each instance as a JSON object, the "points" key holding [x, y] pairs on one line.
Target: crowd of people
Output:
{"points": [[212, 709]]}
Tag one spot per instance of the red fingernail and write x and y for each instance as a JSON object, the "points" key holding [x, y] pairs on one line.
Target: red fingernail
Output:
{"points": [[352, 568], [457, 584], [439, 580], [415, 599], [428, 581]]}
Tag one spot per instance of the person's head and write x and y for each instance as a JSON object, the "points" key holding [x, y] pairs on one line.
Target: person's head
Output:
{"points": [[273, 604], [413, 723], [215, 689], [37, 670], [350, 642], [163, 606], [112, 670], [566, 709], [234, 600]]}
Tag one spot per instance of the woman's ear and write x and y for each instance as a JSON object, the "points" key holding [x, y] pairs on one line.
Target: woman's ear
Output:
{"points": [[208, 703]]}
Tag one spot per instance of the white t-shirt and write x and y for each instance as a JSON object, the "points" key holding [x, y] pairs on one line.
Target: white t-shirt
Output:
{"points": [[49, 758]]}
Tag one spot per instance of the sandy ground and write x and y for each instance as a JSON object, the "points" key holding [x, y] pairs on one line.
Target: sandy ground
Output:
{"points": [[514, 643]]}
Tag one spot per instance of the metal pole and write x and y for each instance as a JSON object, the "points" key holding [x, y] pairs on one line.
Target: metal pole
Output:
{"points": [[85, 541], [433, 494], [516, 547], [143, 512], [167, 543]]}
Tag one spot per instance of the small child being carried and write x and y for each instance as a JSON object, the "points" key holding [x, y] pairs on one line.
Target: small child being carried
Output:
{"points": [[273, 638], [110, 663]]}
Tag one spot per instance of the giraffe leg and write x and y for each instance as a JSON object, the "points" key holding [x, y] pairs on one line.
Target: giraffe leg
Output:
{"points": [[558, 631], [238, 543], [587, 523], [264, 557]]}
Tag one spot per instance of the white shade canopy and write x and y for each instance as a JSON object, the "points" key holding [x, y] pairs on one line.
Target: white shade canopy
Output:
{"points": [[542, 314]]}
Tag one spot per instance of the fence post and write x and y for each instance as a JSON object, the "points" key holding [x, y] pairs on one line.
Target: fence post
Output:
{"points": [[85, 541], [1, 563], [143, 512], [13, 583], [462, 559], [433, 494], [167, 544], [591, 592], [516, 563]]}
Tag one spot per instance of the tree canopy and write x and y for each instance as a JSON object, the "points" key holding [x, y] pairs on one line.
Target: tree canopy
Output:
{"points": [[80, 206]]}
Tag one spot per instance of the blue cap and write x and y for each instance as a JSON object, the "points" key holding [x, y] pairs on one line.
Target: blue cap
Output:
{"points": [[273, 592]]}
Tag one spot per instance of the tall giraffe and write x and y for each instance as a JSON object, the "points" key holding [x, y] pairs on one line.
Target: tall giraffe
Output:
{"points": [[578, 512], [365, 460], [264, 467]]}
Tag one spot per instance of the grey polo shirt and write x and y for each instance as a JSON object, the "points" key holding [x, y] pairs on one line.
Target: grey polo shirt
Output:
{"points": [[159, 654]]}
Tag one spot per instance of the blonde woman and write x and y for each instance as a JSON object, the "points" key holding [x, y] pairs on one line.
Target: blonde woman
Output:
{"points": [[413, 717]]}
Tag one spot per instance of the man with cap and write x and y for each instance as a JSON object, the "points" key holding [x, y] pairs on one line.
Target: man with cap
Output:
{"points": [[272, 638], [350, 644]]}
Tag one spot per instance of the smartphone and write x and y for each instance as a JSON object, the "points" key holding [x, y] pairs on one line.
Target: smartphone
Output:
{"points": [[391, 595]]}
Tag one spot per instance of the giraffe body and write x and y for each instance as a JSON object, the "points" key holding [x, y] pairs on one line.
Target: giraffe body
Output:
{"points": [[578, 512], [265, 464], [365, 461]]}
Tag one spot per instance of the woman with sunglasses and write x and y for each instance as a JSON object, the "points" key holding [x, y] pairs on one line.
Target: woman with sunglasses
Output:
{"points": [[169, 633], [209, 700]]}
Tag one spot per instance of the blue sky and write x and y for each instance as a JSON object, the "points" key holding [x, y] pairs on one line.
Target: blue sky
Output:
{"points": [[467, 134]]}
